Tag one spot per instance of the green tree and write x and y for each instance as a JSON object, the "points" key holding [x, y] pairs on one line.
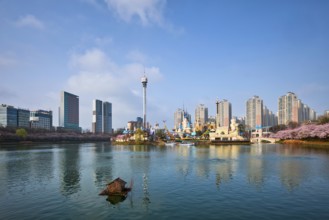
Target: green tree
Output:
{"points": [[139, 135], [21, 132], [161, 134]]}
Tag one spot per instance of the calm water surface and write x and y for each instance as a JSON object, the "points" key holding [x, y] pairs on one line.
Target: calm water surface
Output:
{"points": [[62, 181]]}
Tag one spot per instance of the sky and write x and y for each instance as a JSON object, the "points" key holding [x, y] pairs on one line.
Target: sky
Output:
{"points": [[192, 52]]}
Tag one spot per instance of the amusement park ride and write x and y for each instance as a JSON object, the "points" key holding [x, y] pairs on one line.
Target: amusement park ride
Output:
{"points": [[171, 136]]}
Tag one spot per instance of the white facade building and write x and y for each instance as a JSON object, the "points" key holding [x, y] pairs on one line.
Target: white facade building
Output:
{"points": [[292, 109], [254, 113]]}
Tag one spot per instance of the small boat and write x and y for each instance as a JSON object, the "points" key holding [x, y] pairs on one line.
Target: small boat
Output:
{"points": [[170, 144], [186, 144]]}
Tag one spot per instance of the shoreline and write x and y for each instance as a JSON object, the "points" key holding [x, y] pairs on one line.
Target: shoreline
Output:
{"points": [[319, 144], [61, 140], [51, 142], [55, 139]]}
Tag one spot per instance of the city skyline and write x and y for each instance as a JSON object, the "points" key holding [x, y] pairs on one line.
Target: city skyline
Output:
{"points": [[257, 115], [192, 53]]}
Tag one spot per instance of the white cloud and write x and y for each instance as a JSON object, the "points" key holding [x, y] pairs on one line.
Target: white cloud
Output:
{"points": [[94, 60], [146, 11], [30, 21], [96, 76]]}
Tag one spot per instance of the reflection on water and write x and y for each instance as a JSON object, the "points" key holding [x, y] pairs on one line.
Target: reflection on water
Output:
{"points": [[256, 166], [224, 158], [191, 178], [22, 175], [293, 165], [70, 170], [146, 198], [115, 199], [103, 164], [293, 171]]}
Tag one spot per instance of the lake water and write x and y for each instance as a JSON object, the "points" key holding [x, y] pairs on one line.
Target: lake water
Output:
{"points": [[62, 181]]}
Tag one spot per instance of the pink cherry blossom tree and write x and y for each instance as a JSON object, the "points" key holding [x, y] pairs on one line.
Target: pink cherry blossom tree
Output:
{"points": [[320, 131]]}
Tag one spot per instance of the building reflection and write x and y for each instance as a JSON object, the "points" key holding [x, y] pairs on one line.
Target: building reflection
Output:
{"points": [[140, 148], [4, 188], [294, 166], [184, 153], [103, 160], [43, 166], [17, 167], [225, 162], [27, 167], [292, 172], [256, 166], [202, 163], [220, 160], [70, 173], [20, 168], [256, 162]]}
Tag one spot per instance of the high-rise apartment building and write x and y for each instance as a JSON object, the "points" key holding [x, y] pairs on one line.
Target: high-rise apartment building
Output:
{"points": [[292, 109], [326, 113], [178, 118], [107, 117], [240, 120], [8, 116], [269, 118], [41, 119], [201, 115], [69, 111], [254, 113], [223, 113], [212, 120], [313, 115], [102, 117], [287, 108]]}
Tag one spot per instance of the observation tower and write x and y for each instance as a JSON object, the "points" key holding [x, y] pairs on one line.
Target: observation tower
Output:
{"points": [[144, 82]]}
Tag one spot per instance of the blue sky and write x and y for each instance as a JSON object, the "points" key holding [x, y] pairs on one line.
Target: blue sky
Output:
{"points": [[193, 52]]}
